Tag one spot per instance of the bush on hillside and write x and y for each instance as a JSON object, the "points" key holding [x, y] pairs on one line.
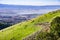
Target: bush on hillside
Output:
{"points": [[55, 26], [54, 33]]}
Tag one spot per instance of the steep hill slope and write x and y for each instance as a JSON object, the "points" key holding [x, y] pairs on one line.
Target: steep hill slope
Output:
{"points": [[21, 30]]}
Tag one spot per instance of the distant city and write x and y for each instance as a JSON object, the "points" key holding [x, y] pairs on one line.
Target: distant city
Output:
{"points": [[13, 19]]}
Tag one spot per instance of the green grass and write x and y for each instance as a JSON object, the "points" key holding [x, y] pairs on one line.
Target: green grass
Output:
{"points": [[21, 30], [18, 31]]}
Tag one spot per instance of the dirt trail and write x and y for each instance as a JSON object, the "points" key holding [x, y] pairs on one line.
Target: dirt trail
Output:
{"points": [[45, 26]]}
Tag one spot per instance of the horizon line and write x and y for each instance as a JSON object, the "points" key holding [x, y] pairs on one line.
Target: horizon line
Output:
{"points": [[24, 5]]}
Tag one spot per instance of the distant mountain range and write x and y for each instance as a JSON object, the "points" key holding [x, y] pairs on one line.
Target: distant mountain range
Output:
{"points": [[29, 6]]}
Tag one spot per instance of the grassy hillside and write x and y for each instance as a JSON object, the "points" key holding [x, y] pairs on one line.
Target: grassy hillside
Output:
{"points": [[21, 30]]}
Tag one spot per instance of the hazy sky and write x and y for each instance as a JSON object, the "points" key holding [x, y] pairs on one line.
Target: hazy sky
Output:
{"points": [[31, 2]]}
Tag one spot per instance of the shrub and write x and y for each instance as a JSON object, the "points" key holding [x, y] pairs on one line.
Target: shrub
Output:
{"points": [[55, 27]]}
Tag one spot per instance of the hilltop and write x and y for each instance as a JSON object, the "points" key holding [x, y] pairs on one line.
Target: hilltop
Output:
{"points": [[21, 30]]}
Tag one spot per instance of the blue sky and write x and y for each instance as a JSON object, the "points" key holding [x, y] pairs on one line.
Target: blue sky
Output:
{"points": [[31, 2]]}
